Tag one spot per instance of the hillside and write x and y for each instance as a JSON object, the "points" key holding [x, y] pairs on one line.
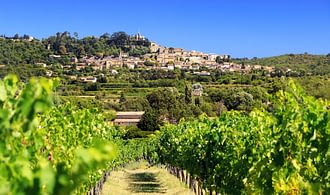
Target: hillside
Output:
{"points": [[63, 47], [308, 63], [28, 50]]}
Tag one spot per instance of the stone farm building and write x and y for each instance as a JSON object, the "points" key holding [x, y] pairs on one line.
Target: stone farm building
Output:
{"points": [[128, 118]]}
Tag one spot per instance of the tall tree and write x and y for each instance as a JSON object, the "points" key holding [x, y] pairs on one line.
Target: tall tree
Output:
{"points": [[16, 36], [187, 95], [62, 50], [150, 121], [120, 39]]}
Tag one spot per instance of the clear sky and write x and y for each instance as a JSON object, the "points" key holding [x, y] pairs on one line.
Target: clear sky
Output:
{"points": [[241, 28]]}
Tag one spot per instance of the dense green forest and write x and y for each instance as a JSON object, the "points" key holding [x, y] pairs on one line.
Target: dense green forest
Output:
{"points": [[22, 52]]}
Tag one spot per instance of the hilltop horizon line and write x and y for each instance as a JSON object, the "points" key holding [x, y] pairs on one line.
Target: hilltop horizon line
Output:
{"points": [[76, 36]]}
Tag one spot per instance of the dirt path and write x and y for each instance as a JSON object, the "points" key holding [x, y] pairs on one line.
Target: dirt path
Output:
{"points": [[139, 178]]}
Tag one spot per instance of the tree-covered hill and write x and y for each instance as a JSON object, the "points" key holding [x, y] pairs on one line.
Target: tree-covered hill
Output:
{"points": [[106, 44], [306, 63], [20, 50]]}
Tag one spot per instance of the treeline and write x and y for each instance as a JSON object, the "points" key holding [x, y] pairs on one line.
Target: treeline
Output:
{"points": [[20, 50], [106, 44]]}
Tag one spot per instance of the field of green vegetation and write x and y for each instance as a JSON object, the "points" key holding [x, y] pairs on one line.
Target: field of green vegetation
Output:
{"points": [[67, 149]]}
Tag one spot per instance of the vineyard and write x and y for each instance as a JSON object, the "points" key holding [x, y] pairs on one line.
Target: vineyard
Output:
{"points": [[66, 150], [54, 150], [283, 150]]}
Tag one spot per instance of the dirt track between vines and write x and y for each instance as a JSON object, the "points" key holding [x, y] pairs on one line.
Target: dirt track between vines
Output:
{"points": [[140, 179]]}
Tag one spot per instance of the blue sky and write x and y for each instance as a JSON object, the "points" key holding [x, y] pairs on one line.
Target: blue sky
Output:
{"points": [[241, 28]]}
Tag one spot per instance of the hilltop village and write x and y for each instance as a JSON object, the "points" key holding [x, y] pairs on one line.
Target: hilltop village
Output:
{"points": [[162, 58], [112, 53]]}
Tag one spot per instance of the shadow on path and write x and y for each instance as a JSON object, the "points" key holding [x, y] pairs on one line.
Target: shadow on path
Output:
{"points": [[145, 182]]}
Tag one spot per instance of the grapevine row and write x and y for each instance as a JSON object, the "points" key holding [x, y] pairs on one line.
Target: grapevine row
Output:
{"points": [[281, 150], [54, 150]]}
